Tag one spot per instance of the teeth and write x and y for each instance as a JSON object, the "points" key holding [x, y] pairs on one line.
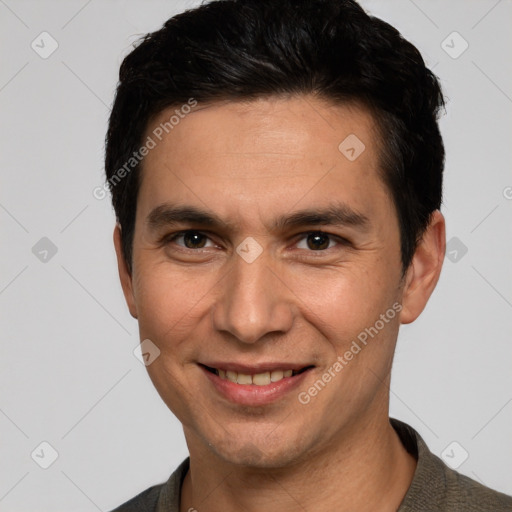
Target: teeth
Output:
{"points": [[261, 379], [243, 378], [231, 376], [258, 379], [276, 375]]}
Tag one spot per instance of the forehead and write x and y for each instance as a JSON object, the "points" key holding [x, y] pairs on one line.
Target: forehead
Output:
{"points": [[265, 152], [284, 125]]}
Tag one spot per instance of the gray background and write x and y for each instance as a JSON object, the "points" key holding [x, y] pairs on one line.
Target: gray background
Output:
{"points": [[68, 375]]}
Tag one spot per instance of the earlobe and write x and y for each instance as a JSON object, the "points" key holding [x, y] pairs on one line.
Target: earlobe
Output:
{"points": [[424, 271], [124, 273]]}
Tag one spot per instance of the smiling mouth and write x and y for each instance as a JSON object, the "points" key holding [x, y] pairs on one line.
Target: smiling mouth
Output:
{"points": [[255, 379]]}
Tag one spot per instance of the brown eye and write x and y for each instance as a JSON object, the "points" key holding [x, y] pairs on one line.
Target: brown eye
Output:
{"points": [[318, 241], [194, 240], [189, 240]]}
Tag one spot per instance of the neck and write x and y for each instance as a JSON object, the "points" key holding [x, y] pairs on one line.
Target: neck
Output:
{"points": [[367, 469]]}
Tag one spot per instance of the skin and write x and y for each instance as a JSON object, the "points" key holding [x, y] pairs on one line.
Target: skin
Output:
{"points": [[250, 162]]}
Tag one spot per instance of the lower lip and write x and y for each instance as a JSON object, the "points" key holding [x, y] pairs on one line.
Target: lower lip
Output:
{"points": [[251, 394]]}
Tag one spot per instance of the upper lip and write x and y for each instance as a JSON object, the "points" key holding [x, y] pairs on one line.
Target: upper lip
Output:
{"points": [[254, 368]]}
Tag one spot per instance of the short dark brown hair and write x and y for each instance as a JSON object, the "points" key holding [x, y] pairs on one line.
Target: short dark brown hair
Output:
{"points": [[247, 49]]}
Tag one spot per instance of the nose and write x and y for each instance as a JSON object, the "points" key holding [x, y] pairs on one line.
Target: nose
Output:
{"points": [[254, 301]]}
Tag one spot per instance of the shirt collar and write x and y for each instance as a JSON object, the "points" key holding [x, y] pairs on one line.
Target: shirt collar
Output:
{"points": [[428, 469]]}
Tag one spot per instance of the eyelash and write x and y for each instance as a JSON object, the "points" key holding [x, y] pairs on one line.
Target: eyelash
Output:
{"points": [[172, 237]]}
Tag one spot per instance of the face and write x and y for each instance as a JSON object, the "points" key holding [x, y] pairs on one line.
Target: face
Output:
{"points": [[262, 249]]}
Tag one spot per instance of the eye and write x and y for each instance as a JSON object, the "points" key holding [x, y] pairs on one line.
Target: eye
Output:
{"points": [[318, 241], [191, 239]]}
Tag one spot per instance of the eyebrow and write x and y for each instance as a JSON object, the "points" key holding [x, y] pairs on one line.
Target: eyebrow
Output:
{"points": [[336, 214]]}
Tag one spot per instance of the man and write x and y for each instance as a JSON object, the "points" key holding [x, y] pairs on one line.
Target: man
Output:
{"points": [[276, 171]]}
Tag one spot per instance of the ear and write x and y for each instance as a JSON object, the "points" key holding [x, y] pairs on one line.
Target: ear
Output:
{"points": [[124, 273], [424, 270]]}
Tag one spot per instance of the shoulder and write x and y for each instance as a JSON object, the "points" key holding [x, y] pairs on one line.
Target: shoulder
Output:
{"points": [[469, 495], [437, 487], [162, 497], [146, 501]]}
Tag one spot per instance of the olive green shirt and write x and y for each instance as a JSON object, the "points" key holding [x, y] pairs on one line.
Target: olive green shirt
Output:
{"points": [[435, 487]]}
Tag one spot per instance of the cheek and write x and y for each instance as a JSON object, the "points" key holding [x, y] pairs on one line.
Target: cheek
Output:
{"points": [[168, 302], [343, 303]]}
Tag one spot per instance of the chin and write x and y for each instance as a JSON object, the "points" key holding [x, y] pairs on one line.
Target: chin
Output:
{"points": [[258, 448]]}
